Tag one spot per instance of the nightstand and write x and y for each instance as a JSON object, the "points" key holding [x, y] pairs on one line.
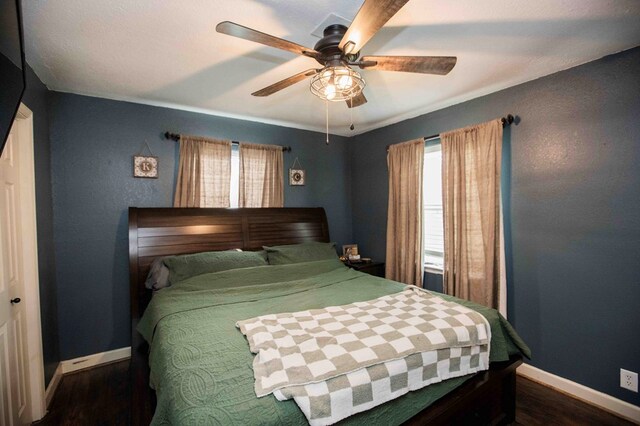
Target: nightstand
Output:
{"points": [[371, 268]]}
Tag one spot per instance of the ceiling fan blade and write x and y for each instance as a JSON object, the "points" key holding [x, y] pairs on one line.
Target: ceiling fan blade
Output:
{"points": [[236, 30], [373, 14], [270, 90], [357, 100], [440, 65]]}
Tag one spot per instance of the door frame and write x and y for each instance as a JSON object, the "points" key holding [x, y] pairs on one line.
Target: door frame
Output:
{"points": [[28, 233]]}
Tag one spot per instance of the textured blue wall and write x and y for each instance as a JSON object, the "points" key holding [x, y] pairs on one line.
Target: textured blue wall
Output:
{"points": [[572, 203], [93, 141], [36, 98]]}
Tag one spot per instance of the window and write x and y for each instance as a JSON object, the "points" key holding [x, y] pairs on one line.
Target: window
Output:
{"points": [[235, 176], [211, 173], [433, 228]]}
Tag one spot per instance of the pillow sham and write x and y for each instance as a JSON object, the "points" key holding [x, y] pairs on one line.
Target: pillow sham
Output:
{"points": [[189, 265], [158, 276], [296, 253]]}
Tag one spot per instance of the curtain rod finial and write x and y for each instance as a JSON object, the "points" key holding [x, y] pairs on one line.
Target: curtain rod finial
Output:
{"points": [[509, 119], [171, 136]]}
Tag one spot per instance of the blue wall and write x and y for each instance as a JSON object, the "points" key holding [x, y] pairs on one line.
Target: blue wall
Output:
{"points": [[572, 212], [93, 141], [36, 99]]}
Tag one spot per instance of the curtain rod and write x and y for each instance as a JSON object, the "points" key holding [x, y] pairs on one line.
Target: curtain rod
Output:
{"points": [[176, 137], [509, 119]]}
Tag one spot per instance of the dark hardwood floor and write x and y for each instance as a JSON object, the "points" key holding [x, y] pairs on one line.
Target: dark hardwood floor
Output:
{"points": [[97, 396], [539, 405], [100, 396]]}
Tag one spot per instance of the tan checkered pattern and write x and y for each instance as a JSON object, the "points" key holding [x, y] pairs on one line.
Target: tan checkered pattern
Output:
{"points": [[332, 400], [310, 346]]}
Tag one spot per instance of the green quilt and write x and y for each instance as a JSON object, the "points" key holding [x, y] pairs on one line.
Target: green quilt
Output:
{"points": [[201, 366]]}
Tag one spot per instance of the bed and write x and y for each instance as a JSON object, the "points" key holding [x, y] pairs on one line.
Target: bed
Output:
{"points": [[487, 397]]}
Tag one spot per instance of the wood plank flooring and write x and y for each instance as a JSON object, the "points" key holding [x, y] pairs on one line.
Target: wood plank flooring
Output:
{"points": [[100, 396], [539, 405], [97, 396]]}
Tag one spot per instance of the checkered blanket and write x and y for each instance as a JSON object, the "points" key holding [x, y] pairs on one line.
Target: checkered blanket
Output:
{"points": [[309, 347], [332, 400]]}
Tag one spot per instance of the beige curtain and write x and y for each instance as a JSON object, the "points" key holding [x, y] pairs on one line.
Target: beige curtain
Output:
{"points": [[404, 219], [204, 174], [261, 176], [471, 160]]}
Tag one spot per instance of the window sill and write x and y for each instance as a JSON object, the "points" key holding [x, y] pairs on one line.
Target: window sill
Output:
{"points": [[432, 269]]}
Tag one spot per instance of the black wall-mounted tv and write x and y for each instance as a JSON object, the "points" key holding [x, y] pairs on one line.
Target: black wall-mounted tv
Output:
{"points": [[12, 65]]}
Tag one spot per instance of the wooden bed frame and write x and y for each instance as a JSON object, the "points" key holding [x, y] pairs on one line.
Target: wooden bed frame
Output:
{"points": [[487, 398]]}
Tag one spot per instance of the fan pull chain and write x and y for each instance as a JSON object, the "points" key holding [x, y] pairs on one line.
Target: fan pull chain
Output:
{"points": [[327, 117], [351, 114]]}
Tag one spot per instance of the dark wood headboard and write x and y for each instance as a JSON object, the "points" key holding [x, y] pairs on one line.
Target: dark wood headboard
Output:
{"points": [[158, 232]]}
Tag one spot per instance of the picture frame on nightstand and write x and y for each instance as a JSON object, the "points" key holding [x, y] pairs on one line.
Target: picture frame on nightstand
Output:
{"points": [[350, 252]]}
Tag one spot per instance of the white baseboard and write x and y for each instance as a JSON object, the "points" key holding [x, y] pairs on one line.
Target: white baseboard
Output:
{"points": [[588, 395], [95, 359], [53, 385], [81, 363]]}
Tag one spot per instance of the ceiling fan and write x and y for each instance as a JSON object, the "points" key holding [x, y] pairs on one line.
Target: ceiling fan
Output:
{"points": [[339, 50]]}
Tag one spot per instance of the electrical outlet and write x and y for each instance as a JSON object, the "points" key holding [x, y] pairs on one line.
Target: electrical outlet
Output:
{"points": [[628, 380]]}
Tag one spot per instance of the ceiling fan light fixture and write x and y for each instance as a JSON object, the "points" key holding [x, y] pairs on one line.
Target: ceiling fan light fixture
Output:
{"points": [[337, 83]]}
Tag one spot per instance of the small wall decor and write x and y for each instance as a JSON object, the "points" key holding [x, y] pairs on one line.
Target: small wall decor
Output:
{"points": [[145, 166], [296, 175]]}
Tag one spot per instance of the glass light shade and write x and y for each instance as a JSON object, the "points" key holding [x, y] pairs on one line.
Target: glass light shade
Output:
{"points": [[330, 91], [336, 84], [344, 82]]}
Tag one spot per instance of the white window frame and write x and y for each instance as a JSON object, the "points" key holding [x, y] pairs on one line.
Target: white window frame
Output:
{"points": [[429, 209], [234, 192]]}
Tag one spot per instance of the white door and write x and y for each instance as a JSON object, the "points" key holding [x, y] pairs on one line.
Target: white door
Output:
{"points": [[14, 386]]}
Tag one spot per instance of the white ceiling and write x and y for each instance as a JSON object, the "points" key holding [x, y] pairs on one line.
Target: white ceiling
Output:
{"points": [[168, 53]]}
